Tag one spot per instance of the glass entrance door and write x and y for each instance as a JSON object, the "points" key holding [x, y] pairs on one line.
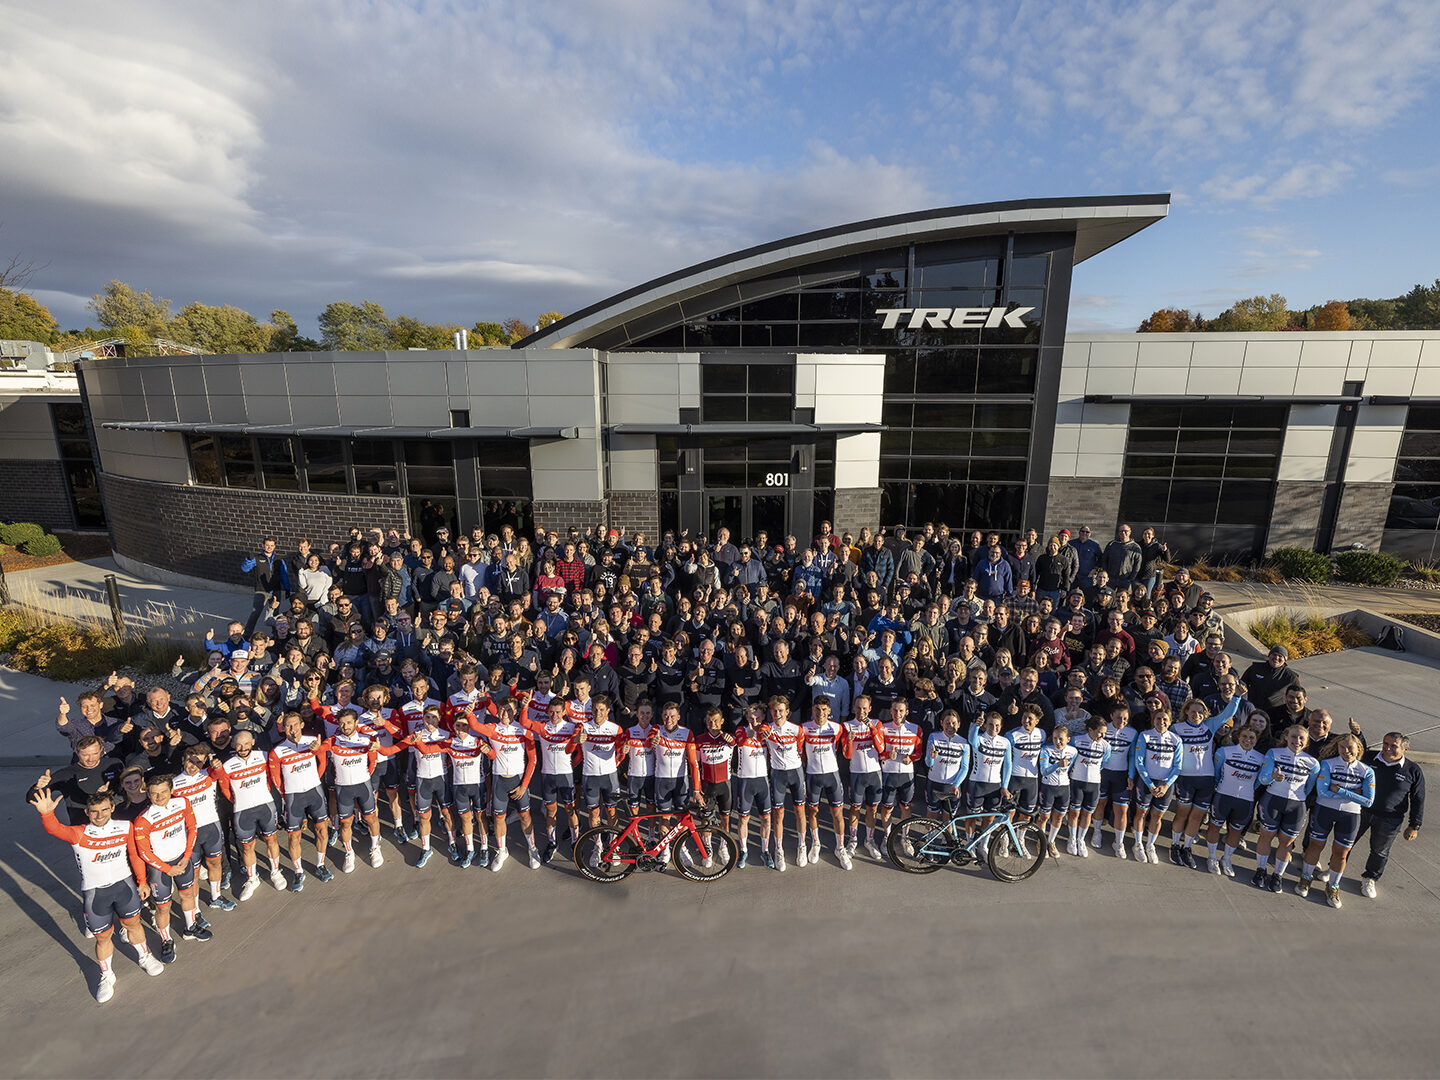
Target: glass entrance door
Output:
{"points": [[745, 512]]}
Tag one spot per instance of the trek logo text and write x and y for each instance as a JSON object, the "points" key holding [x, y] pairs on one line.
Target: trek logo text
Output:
{"points": [[960, 318]]}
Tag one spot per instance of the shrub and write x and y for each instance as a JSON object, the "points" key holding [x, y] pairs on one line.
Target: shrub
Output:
{"points": [[41, 546], [1423, 571], [1230, 572], [1269, 575], [1302, 564], [14, 625], [1201, 570], [60, 652], [1308, 635], [1368, 567], [18, 533]]}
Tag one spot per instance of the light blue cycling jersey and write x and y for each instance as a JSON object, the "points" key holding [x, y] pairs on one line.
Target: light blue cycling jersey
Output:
{"points": [[1287, 774], [994, 758], [1157, 758], [1055, 764], [1027, 746], [1345, 786], [1090, 757], [948, 757], [1122, 747], [1198, 741], [1236, 771]]}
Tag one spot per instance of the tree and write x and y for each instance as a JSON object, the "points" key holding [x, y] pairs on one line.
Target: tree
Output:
{"points": [[515, 329], [350, 328], [1374, 314], [547, 318], [1332, 316], [1420, 308], [489, 333], [16, 272], [23, 318], [120, 308], [286, 336], [225, 329], [1255, 315], [1171, 321], [410, 333]]}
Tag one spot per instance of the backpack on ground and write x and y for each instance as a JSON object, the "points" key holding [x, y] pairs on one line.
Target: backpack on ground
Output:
{"points": [[1391, 637]]}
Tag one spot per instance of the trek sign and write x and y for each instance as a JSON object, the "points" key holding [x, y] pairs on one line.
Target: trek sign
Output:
{"points": [[960, 318]]}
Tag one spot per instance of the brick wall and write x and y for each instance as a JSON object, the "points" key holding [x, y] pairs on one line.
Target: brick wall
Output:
{"points": [[1296, 515], [35, 491], [855, 508], [638, 511], [558, 514], [1361, 519], [1082, 500], [205, 532]]}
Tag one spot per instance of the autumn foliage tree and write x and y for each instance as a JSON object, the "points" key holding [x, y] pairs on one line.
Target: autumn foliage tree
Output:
{"points": [[1172, 321], [1332, 316]]}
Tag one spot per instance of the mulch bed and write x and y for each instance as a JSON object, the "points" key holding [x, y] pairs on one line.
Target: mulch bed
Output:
{"points": [[1425, 619], [78, 548]]}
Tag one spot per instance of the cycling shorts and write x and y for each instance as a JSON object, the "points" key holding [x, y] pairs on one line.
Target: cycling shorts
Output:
{"points": [[209, 843], [557, 788], [163, 886], [1026, 790], [1054, 798], [255, 820], [1084, 795], [641, 789], [431, 790], [754, 794], [1195, 790], [786, 782], [110, 902], [823, 785], [1230, 812], [349, 796], [866, 789], [670, 793], [602, 790], [301, 805], [981, 796], [1345, 824], [718, 793], [500, 798], [1283, 816], [468, 798], [942, 798], [1115, 786], [1144, 800], [386, 775], [899, 788]]}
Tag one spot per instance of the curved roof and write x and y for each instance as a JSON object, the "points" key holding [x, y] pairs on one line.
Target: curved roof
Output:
{"points": [[1098, 222]]}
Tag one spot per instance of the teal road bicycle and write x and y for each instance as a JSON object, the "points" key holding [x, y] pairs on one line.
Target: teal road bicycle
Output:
{"points": [[1011, 852]]}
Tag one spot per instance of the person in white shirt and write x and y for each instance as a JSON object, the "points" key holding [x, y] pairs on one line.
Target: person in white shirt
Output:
{"points": [[822, 779]]}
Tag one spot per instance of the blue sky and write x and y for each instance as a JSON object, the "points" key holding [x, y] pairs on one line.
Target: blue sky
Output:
{"points": [[459, 161]]}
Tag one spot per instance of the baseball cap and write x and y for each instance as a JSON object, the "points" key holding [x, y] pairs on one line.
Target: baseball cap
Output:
{"points": [[454, 605], [1207, 596], [613, 534], [240, 654]]}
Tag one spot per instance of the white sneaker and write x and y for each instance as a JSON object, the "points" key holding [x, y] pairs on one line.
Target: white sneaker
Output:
{"points": [[105, 988], [1070, 846], [1120, 848], [1367, 887], [151, 965], [499, 860], [844, 856], [873, 850], [801, 855], [277, 878], [780, 857], [534, 858], [1150, 853], [852, 844], [815, 852], [1083, 849], [1020, 847], [1225, 867], [1097, 839], [348, 866], [1140, 851], [248, 889], [1213, 865], [377, 857]]}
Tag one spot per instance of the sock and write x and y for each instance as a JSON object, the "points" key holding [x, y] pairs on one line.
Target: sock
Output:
{"points": [[320, 858], [1053, 832], [349, 845], [105, 965], [1310, 869], [869, 834], [298, 868], [1229, 851], [425, 842], [550, 835], [1335, 876], [1150, 841], [1262, 862], [1215, 848], [451, 834], [141, 950], [470, 842], [164, 930], [1281, 867], [1139, 834], [252, 872], [1186, 840], [214, 889]]}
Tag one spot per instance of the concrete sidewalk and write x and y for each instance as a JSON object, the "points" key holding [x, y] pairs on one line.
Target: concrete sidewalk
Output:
{"points": [[77, 591]]}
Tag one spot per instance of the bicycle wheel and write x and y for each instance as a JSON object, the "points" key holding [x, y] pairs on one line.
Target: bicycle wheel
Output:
{"points": [[591, 849], [1009, 863], [714, 862], [916, 845]]}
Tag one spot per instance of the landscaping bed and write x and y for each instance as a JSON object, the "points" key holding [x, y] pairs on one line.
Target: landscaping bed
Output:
{"points": [[1309, 634], [1426, 620]]}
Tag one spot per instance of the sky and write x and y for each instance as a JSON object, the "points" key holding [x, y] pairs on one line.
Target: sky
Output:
{"points": [[464, 160]]}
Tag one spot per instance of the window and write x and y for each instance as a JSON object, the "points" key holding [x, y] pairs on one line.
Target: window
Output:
{"points": [[459, 418], [757, 393], [743, 462], [277, 464], [324, 465], [73, 438], [505, 486], [204, 459], [1415, 502], [373, 462], [237, 454]]}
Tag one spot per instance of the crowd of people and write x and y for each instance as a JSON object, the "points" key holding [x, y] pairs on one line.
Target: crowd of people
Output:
{"points": [[463, 685]]}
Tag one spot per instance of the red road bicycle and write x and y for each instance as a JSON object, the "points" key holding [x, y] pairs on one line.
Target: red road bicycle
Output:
{"points": [[695, 845]]}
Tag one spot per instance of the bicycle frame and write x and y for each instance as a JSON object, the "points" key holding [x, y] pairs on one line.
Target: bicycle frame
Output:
{"points": [[976, 843], [632, 832]]}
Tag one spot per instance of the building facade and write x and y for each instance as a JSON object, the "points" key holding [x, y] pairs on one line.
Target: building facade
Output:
{"points": [[900, 370]]}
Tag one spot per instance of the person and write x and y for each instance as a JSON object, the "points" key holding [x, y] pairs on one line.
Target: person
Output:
{"points": [[431, 747], [112, 880], [1399, 790], [1092, 752], [1344, 787], [1117, 780], [1157, 754], [822, 780], [197, 787], [467, 786], [903, 745], [244, 779], [296, 766], [947, 756], [753, 794], [1026, 742], [675, 761], [1237, 768], [513, 768], [783, 740], [165, 838], [601, 742], [1288, 776], [92, 772], [1195, 786], [1056, 759], [354, 756], [992, 763], [1266, 681], [863, 744]]}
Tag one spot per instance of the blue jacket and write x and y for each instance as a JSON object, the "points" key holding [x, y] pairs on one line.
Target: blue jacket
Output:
{"points": [[994, 580]]}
